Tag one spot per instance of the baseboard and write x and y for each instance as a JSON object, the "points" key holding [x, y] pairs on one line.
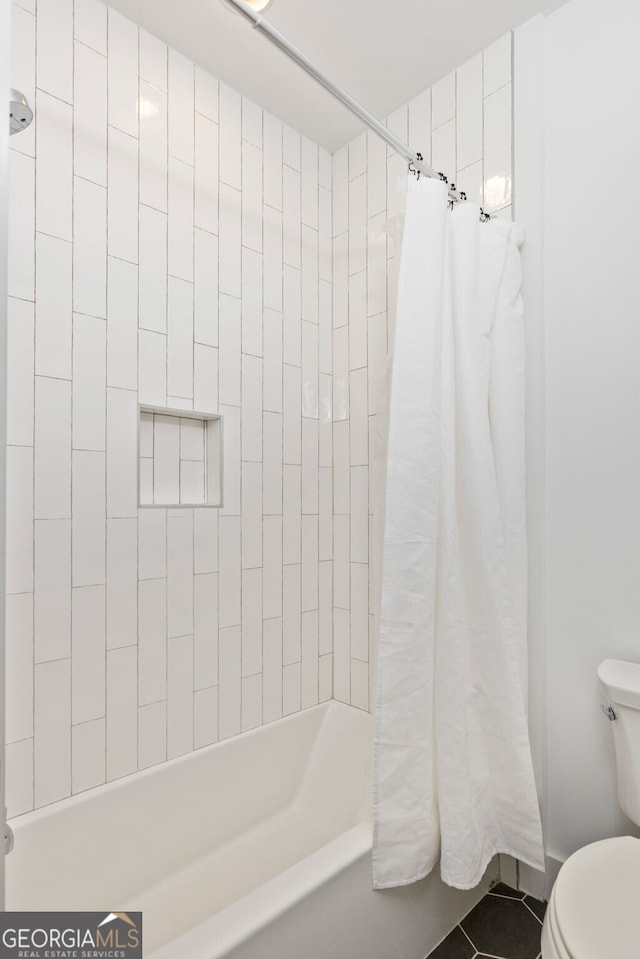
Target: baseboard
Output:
{"points": [[531, 881]]}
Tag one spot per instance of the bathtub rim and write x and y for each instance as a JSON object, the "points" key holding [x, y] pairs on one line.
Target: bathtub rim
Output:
{"points": [[104, 789], [217, 935]]}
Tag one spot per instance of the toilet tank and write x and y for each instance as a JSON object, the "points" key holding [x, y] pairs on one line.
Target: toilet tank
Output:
{"points": [[621, 686]]}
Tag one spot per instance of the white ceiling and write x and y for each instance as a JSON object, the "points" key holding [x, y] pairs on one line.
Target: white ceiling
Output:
{"points": [[383, 52]]}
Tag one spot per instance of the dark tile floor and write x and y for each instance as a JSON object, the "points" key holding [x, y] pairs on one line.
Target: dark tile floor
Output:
{"points": [[505, 924]]}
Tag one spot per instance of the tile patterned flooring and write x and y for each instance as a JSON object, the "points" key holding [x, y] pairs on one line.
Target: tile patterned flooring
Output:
{"points": [[505, 924]]}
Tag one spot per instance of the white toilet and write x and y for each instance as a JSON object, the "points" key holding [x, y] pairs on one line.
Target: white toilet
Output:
{"points": [[594, 907]]}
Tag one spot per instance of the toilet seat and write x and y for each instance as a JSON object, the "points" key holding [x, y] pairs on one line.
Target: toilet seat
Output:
{"points": [[594, 909]]}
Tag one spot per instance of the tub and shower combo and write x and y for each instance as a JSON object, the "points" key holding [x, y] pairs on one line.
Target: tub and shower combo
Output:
{"points": [[255, 846]]}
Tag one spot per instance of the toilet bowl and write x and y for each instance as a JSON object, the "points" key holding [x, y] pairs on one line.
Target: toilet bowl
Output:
{"points": [[594, 907]]}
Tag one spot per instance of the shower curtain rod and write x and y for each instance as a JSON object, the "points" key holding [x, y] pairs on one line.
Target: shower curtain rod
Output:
{"points": [[416, 162]]}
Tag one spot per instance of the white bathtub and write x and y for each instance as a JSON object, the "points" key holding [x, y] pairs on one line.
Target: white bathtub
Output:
{"points": [[255, 847]]}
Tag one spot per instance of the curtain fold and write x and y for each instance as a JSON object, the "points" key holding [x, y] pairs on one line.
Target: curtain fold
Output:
{"points": [[453, 774]]}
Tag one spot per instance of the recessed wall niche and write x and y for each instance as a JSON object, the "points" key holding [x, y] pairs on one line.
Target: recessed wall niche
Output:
{"points": [[180, 458]]}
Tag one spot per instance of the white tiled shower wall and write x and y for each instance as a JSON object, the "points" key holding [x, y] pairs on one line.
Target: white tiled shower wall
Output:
{"points": [[171, 246], [462, 126]]}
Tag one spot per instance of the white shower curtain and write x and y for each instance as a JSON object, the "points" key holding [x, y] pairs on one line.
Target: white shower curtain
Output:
{"points": [[453, 774]]}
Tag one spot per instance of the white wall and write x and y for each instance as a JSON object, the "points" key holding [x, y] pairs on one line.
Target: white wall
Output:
{"points": [[591, 558], [462, 126], [178, 256]]}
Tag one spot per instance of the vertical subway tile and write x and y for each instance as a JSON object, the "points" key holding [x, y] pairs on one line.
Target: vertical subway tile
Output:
{"points": [[205, 717], [205, 288], [272, 567], [122, 712], [251, 702], [53, 306], [309, 563], [179, 575], [205, 541], [272, 464], [340, 190], [469, 112], [497, 149], [291, 613], [152, 368], [325, 604], [443, 100], [230, 719], [230, 346], [152, 543], [325, 678], [181, 107], [152, 734], [497, 64], [292, 514], [21, 226], [52, 580], [291, 147], [122, 184], [19, 777], [152, 641], [292, 421], [52, 741], [358, 224], [251, 621], [272, 369], [153, 60], [273, 240], [205, 630], [251, 196], [292, 326], [230, 571], [90, 24], [359, 685], [153, 146], [122, 325], [341, 657], [206, 174], [122, 442], [53, 448], [123, 73], [230, 137], [291, 689], [419, 127], [179, 696], [272, 146], [309, 677], [206, 94], [359, 624], [89, 248], [88, 518], [180, 339], [251, 122], [230, 278], [310, 293], [122, 583], [309, 183], [272, 670], [251, 515], [251, 302], [19, 667], [180, 222], [90, 114], [88, 654], [251, 408], [232, 460], [88, 749], [54, 45], [291, 218], [205, 378], [19, 519], [152, 305]]}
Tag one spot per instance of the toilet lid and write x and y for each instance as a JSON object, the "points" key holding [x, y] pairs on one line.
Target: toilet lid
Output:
{"points": [[597, 900]]}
